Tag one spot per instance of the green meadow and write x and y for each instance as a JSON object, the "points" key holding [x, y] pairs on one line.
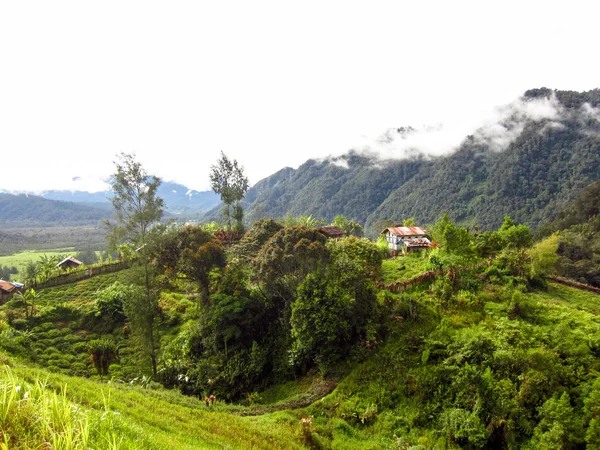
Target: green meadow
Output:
{"points": [[20, 260]]}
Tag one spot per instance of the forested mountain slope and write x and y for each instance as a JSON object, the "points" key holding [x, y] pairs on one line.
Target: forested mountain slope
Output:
{"points": [[353, 185], [540, 154], [577, 226], [546, 165]]}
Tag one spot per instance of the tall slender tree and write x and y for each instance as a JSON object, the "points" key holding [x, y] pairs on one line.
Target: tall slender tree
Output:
{"points": [[137, 205], [137, 208], [228, 180]]}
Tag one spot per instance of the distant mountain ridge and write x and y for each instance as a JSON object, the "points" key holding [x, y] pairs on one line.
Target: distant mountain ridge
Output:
{"points": [[30, 210], [539, 155], [179, 200]]}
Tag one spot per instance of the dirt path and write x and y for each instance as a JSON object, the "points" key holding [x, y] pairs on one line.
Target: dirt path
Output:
{"points": [[317, 392]]}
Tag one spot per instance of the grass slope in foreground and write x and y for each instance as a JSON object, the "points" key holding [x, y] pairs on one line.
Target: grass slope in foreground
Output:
{"points": [[45, 410]]}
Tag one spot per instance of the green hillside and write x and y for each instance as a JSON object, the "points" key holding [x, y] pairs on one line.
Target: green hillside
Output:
{"points": [[311, 343], [487, 367]]}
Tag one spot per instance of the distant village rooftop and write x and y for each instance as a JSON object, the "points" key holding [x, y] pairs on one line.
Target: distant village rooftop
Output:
{"points": [[331, 231], [69, 261]]}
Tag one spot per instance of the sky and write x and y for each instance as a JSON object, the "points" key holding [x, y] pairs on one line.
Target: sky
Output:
{"points": [[269, 83]]}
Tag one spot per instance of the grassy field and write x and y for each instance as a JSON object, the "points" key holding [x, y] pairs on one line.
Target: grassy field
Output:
{"points": [[15, 240], [20, 260]]}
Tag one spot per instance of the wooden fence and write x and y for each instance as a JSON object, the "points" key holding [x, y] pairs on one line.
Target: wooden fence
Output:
{"points": [[574, 284], [81, 274]]}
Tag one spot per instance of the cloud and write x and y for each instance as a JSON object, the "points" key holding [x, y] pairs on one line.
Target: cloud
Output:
{"points": [[339, 162], [496, 130], [510, 120], [589, 112]]}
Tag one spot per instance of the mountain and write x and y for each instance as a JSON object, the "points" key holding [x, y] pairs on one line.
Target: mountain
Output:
{"points": [[539, 154], [353, 185], [30, 210], [179, 200]]}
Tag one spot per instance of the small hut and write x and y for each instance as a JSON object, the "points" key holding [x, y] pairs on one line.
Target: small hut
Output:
{"points": [[68, 263], [7, 290]]}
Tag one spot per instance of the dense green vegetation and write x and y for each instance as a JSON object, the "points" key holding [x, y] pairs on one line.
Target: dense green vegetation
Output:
{"points": [[577, 226], [485, 354], [544, 167]]}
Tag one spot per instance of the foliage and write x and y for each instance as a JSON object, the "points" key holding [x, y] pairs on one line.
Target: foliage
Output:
{"points": [[190, 253], [141, 311], [350, 227], [286, 259], [289, 221], [87, 256], [51, 410], [137, 210], [136, 204], [28, 298], [110, 301], [227, 179], [260, 232], [102, 353], [544, 256], [578, 239], [319, 321]]}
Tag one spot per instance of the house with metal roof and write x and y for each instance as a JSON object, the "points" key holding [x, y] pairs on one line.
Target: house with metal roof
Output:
{"points": [[403, 240]]}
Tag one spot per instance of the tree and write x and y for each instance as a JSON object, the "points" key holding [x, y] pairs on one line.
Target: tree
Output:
{"points": [[102, 352], [190, 253], [32, 272], [261, 231], [137, 210], [110, 302], [319, 320], [349, 227], [286, 259], [141, 310], [227, 179], [137, 206], [454, 241], [410, 222], [28, 299]]}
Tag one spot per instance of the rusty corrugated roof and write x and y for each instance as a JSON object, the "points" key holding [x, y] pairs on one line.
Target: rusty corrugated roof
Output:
{"points": [[407, 231], [7, 286]]}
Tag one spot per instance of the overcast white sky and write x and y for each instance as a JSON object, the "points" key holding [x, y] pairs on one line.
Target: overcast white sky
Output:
{"points": [[269, 83]]}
